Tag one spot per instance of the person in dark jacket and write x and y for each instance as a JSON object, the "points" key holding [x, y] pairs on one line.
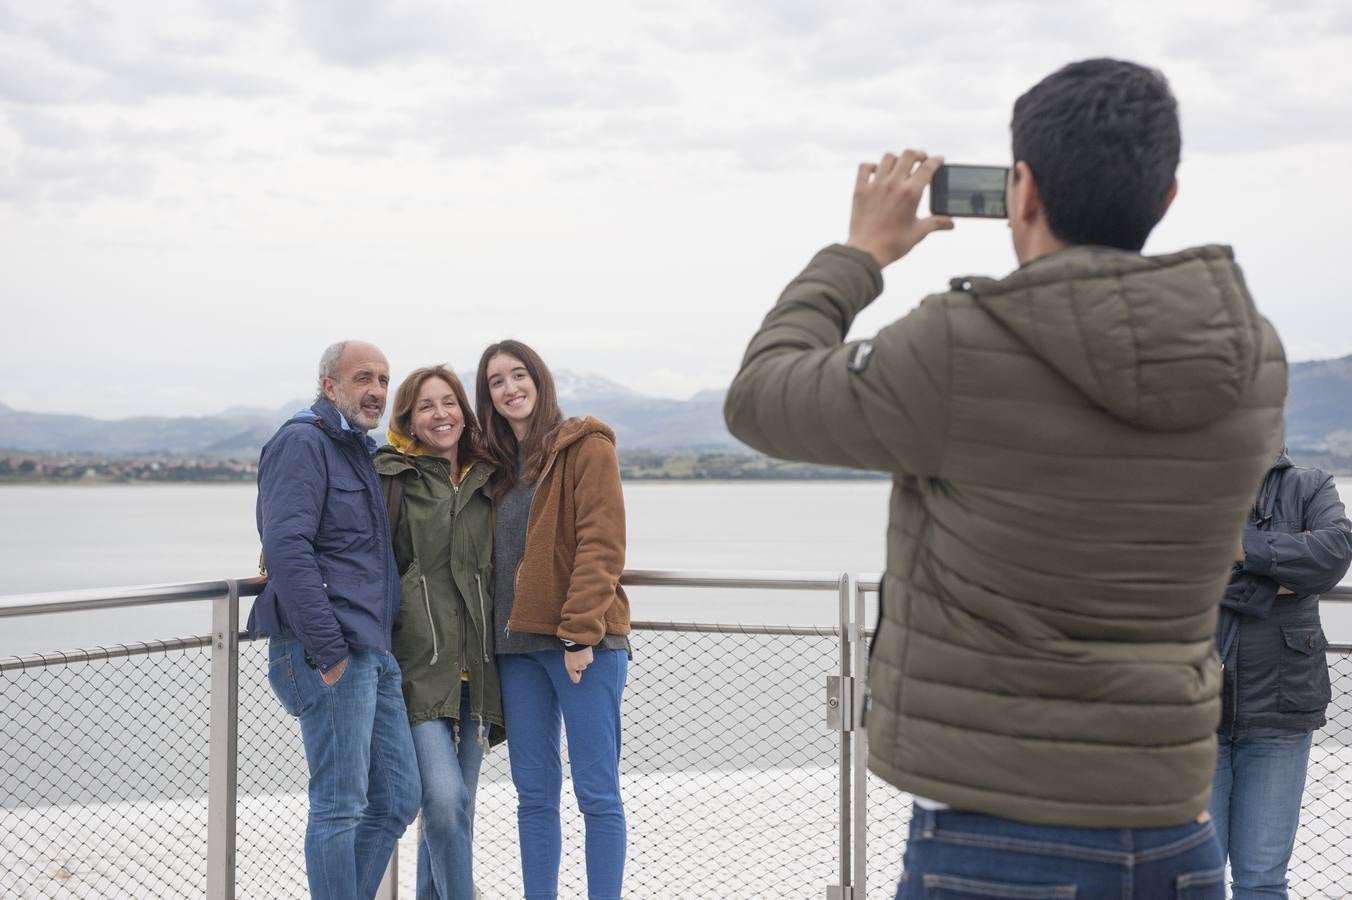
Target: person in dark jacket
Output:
{"points": [[329, 607], [1297, 544]]}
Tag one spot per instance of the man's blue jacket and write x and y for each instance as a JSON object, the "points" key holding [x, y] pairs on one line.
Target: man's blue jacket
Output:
{"points": [[332, 578]]}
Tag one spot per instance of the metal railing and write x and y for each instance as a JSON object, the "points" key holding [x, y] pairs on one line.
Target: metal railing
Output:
{"points": [[167, 769]]}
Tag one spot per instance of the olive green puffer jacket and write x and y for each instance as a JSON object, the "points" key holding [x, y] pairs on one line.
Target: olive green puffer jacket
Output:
{"points": [[1074, 449]]}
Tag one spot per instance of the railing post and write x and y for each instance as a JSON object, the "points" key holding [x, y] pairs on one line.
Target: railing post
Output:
{"points": [[222, 771], [840, 715], [859, 646]]}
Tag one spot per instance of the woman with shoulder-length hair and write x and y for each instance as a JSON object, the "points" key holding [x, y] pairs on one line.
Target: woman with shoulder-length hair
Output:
{"points": [[436, 480], [563, 654]]}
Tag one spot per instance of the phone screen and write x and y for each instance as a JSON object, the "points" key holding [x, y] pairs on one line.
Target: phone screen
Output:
{"points": [[969, 191]]}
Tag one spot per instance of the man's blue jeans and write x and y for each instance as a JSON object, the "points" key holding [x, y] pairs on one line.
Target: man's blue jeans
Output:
{"points": [[963, 854], [364, 786], [449, 757], [1255, 801], [536, 695]]}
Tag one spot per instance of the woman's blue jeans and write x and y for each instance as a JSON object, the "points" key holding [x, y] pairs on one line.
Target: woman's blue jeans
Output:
{"points": [[363, 774], [449, 757], [1255, 801], [536, 696], [965, 854]]}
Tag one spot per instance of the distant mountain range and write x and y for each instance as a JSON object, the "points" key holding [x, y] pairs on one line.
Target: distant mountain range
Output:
{"points": [[1319, 414], [1318, 422], [640, 423]]}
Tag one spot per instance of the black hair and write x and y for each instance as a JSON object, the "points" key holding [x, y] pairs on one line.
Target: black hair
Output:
{"points": [[1102, 139]]}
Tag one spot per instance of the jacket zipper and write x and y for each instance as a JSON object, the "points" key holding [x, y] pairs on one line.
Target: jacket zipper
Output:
{"points": [[1234, 691], [431, 623], [1263, 510]]}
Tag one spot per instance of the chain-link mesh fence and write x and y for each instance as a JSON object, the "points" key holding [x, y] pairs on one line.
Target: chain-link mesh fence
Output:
{"points": [[103, 773], [729, 772], [730, 778], [1321, 864]]}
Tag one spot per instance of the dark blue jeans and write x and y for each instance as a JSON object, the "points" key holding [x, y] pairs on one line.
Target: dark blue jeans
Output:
{"points": [[364, 787], [962, 854], [536, 696], [1255, 802]]}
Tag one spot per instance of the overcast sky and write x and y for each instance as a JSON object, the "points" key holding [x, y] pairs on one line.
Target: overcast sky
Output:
{"points": [[195, 198]]}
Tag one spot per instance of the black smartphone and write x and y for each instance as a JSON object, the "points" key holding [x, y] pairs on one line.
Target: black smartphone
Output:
{"points": [[977, 191]]}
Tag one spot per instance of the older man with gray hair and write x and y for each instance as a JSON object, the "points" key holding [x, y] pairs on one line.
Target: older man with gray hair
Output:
{"points": [[329, 607]]}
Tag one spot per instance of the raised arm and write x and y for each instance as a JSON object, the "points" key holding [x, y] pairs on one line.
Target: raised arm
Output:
{"points": [[803, 394], [879, 404]]}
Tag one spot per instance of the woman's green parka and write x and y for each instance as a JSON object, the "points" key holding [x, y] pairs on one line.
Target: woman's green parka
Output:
{"points": [[443, 543]]}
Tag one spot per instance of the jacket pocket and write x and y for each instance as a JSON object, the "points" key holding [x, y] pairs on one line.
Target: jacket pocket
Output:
{"points": [[414, 637], [942, 886], [345, 505], [1304, 673], [1203, 885]]}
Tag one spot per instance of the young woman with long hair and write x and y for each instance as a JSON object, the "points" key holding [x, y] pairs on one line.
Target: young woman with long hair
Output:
{"points": [[562, 617], [437, 487]]}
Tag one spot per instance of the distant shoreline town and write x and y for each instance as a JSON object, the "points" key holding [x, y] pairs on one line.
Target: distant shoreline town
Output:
{"points": [[659, 439], [640, 465]]}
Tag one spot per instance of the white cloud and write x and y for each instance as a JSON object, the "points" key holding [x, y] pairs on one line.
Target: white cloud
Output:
{"points": [[197, 197], [359, 33], [40, 129]]}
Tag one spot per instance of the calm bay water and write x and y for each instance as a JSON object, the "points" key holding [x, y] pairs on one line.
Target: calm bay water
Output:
{"points": [[56, 537], [64, 537]]}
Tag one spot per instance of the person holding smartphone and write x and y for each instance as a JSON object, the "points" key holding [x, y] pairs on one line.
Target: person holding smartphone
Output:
{"points": [[436, 487], [562, 617], [1073, 448]]}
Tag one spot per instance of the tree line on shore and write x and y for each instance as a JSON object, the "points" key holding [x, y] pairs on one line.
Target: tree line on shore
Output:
{"points": [[637, 465]]}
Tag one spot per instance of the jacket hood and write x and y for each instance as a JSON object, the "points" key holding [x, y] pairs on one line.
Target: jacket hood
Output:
{"points": [[1165, 343], [394, 460], [402, 443], [398, 440], [1283, 460], [574, 430]]}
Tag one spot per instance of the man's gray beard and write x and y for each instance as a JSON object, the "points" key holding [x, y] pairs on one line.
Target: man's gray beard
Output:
{"points": [[352, 412]]}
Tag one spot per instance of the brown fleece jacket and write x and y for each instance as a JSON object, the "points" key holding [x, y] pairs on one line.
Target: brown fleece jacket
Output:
{"points": [[568, 583]]}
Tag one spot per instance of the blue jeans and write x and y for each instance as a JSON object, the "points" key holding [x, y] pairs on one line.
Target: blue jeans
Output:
{"points": [[1255, 800], [363, 773], [963, 854], [536, 695], [449, 756]]}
